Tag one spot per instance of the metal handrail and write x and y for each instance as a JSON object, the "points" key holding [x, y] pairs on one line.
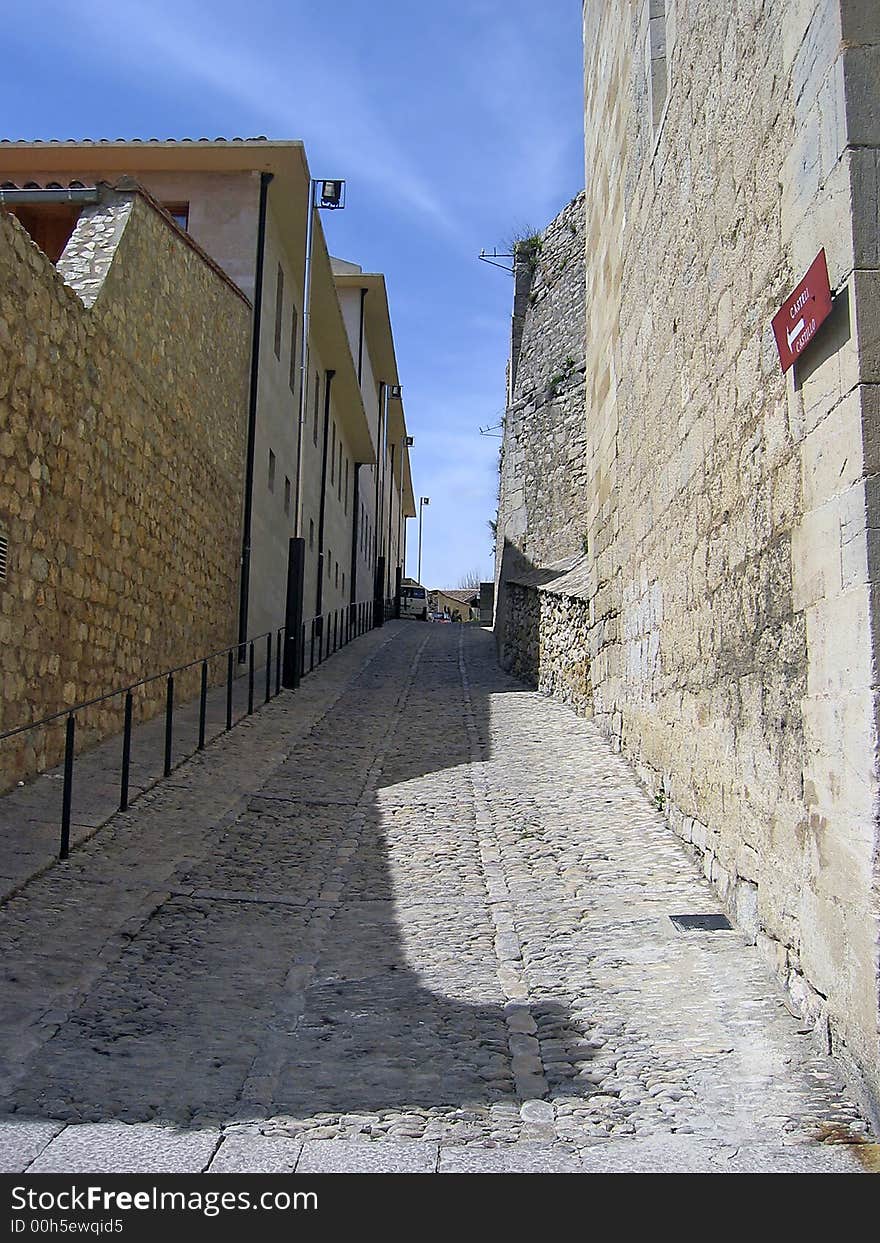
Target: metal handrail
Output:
{"points": [[345, 623], [124, 690]]}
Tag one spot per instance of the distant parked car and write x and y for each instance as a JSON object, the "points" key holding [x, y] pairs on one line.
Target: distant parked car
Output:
{"points": [[438, 617]]}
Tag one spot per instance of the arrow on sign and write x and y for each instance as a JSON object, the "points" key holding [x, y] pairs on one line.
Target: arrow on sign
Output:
{"points": [[795, 332]]}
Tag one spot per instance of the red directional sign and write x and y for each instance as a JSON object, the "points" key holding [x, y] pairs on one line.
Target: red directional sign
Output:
{"points": [[807, 306]]}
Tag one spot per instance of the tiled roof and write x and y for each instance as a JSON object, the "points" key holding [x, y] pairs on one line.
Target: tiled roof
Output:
{"points": [[79, 142], [463, 595]]}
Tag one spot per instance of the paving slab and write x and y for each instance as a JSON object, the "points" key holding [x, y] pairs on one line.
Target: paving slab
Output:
{"points": [[334, 1156], [243, 1153], [519, 1158], [116, 1148], [22, 1141]]}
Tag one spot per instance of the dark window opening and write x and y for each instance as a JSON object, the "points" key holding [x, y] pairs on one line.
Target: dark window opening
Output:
{"points": [[50, 225], [179, 213]]}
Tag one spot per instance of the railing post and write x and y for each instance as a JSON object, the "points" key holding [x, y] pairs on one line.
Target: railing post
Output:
{"points": [[67, 795], [312, 648], [302, 649], [335, 629], [230, 664], [278, 662], [203, 705], [250, 677], [169, 722], [293, 613], [268, 666], [126, 752]]}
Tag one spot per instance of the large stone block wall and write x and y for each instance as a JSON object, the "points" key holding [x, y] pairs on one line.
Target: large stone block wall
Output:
{"points": [[731, 539], [123, 404]]}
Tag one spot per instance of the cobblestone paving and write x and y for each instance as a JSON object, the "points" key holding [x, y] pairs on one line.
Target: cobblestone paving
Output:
{"points": [[420, 914]]}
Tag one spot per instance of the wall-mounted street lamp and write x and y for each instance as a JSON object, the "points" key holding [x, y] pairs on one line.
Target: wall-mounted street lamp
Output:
{"points": [[423, 501], [409, 441], [329, 195], [395, 392]]}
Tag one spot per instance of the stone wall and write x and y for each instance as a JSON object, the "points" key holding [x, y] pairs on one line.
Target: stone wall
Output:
{"points": [[730, 562], [123, 401], [547, 643], [543, 472]]}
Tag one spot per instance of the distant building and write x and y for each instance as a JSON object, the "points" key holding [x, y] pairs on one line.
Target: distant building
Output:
{"points": [[464, 601]]}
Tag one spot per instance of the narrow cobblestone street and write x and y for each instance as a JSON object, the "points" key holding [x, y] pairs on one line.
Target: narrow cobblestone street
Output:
{"points": [[410, 917]]}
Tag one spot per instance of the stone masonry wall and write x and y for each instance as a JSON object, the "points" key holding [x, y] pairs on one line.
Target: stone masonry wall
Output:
{"points": [[543, 473], [547, 644], [123, 400], [731, 535]]}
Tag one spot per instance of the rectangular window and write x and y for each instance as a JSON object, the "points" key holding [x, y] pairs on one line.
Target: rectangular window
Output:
{"points": [[286, 495], [271, 471], [311, 533], [179, 213], [339, 485], [333, 455], [293, 352], [329, 561], [346, 485], [279, 309]]}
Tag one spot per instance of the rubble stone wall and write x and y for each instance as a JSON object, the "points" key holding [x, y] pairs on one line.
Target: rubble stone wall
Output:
{"points": [[123, 405]]}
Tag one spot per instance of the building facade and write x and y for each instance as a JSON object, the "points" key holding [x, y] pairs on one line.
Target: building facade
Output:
{"points": [[246, 203], [312, 441], [722, 607]]}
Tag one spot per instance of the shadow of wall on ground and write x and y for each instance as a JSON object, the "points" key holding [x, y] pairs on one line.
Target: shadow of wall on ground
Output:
{"points": [[247, 989]]}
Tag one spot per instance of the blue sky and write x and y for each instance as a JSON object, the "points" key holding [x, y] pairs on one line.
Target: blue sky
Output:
{"points": [[454, 124]]}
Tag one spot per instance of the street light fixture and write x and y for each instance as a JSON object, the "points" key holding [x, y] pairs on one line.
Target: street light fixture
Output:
{"points": [[423, 501]]}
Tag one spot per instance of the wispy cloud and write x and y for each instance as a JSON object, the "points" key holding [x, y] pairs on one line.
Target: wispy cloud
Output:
{"points": [[295, 91]]}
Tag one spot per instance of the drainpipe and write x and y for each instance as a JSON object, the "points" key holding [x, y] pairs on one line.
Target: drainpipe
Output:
{"points": [[390, 522], [377, 521], [319, 595], [244, 592]]}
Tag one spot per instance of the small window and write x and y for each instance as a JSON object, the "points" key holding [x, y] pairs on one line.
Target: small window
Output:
{"points": [[333, 455], [329, 561], [311, 533], [293, 352], [279, 309], [271, 471], [179, 213], [286, 495], [346, 485], [339, 485], [4, 556], [337, 573]]}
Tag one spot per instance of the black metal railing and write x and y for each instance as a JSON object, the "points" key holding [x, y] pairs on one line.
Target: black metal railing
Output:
{"points": [[324, 635]]}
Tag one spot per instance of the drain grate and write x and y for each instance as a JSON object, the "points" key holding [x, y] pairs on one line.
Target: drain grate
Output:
{"points": [[702, 923]]}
